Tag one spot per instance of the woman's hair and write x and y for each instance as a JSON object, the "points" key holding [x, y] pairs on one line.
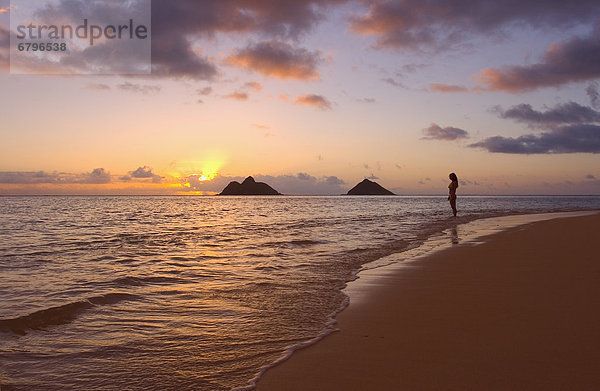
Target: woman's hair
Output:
{"points": [[453, 177]]}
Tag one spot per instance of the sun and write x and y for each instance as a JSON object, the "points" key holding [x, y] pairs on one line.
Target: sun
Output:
{"points": [[206, 177]]}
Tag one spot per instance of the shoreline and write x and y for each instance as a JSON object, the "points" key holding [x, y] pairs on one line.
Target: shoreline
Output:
{"points": [[340, 356]]}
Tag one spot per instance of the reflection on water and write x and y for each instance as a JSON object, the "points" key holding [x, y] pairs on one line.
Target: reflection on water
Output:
{"points": [[161, 293]]}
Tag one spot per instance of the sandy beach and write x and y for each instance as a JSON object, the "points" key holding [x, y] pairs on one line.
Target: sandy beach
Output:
{"points": [[518, 312]]}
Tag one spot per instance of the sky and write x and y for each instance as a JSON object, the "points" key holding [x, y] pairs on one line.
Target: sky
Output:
{"points": [[312, 97]]}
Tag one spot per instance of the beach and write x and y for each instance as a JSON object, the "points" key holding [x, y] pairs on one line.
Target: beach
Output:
{"points": [[515, 311]]}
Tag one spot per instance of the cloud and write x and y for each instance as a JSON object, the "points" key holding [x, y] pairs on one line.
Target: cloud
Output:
{"points": [[174, 57], [109, 56], [97, 86], [253, 85], [566, 139], [566, 113], [443, 23], [372, 177], [435, 132], [240, 96], [301, 184], [278, 59], [437, 87], [593, 94], [4, 37], [314, 100], [10, 177], [367, 100], [590, 176], [282, 18], [139, 88], [177, 24], [96, 176], [204, 91], [411, 68], [393, 82], [4, 45], [196, 182], [575, 60], [304, 184], [145, 173], [334, 181], [303, 176]]}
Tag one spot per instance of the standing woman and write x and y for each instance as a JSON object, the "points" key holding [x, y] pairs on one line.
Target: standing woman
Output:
{"points": [[452, 192]]}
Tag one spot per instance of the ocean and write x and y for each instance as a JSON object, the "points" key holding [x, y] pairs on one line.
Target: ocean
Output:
{"points": [[195, 292]]}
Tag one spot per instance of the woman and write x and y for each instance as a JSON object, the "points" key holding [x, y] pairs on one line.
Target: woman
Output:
{"points": [[452, 192]]}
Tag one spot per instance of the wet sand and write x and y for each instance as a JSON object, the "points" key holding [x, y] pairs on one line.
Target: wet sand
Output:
{"points": [[519, 312]]}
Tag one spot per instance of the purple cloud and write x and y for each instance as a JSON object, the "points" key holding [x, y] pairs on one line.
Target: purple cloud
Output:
{"points": [[145, 173], [566, 113], [139, 88], [443, 23], [567, 139], [436, 132], [575, 60], [593, 94], [176, 22], [96, 176]]}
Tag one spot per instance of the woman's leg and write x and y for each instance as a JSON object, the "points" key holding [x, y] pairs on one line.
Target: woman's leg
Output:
{"points": [[453, 205]]}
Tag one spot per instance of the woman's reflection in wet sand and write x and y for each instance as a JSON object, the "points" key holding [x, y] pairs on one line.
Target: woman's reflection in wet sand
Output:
{"points": [[454, 236]]}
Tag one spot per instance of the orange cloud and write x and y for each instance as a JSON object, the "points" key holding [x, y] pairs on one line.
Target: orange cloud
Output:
{"points": [[314, 100], [438, 87], [241, 96], [279, 60]]}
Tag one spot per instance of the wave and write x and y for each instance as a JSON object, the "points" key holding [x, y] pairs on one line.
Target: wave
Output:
{"points": [[295, 243], [56, 316], [138, 281]]}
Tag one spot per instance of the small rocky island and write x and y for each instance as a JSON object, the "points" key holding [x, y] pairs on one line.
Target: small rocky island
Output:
{"points": [[249, 187], [368, 187]]}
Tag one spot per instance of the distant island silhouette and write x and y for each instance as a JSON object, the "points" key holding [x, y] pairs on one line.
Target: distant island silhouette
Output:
{"points": [[368, 187], [248, 187]]}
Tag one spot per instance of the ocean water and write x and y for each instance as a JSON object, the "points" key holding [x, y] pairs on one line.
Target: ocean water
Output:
{"points": [[195, 293]]}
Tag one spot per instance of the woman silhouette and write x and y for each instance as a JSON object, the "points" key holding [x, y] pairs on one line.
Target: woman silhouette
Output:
{"points": [[452, 192]]}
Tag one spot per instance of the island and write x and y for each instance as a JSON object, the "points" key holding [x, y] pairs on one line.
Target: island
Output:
{"points": [[248, 187], [368, 187]]}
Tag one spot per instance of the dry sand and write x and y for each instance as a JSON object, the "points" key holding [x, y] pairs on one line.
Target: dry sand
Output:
{"points": [[519, 312]]}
